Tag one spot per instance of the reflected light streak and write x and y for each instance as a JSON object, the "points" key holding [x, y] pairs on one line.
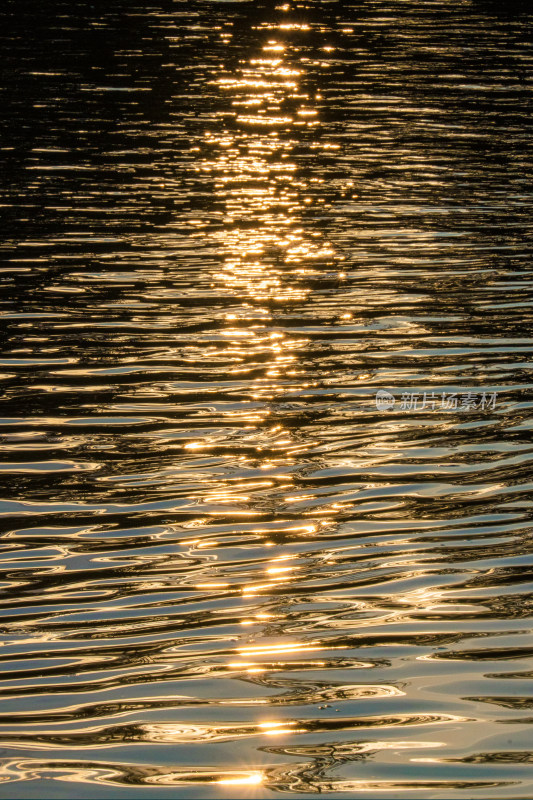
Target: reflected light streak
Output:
{"points": [[279, 649], [252, 779], [267, 258]]}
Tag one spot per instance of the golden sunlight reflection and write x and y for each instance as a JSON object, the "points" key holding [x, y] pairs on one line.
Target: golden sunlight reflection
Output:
{"points": [[265, 277], [280, 649], [279, 728], [250, 779], [266, 255], [257, 181]]}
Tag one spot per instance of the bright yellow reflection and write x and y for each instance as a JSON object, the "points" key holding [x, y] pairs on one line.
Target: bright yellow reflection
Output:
{"points": [[252, 779], [256, 179], [266, 254]]}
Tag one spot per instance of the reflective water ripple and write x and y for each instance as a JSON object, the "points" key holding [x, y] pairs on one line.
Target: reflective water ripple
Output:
{"points": [[224, 570]]}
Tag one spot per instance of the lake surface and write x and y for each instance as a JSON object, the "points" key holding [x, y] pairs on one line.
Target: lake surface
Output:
{"points": [[225, 571]]}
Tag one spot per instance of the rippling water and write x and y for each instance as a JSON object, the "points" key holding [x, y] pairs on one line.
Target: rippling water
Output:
{"points": [[225, 572]]}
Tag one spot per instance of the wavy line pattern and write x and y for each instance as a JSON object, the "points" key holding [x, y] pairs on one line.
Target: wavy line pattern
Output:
{"points": [[223, 568]]}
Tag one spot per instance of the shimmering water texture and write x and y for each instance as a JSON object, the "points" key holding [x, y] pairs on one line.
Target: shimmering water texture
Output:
{"points": [[225, 572]]}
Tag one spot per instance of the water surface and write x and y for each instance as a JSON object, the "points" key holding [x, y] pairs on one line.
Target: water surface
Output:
{"points": [[225, 572]]}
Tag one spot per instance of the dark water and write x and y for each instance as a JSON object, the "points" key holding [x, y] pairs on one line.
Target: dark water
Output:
{"points": [[225, 572]]}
